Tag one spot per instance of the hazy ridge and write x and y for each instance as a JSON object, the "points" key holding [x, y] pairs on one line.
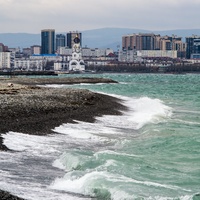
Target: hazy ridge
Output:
{"points": [[96, 38]]}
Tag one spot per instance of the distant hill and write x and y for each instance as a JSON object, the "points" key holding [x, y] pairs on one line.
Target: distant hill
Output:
{"points": [[21, 40], [180, 32], [97, 38], [106, 37]]}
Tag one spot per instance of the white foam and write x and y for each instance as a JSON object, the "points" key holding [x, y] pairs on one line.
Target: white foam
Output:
{"points": [[141, 111], [79, 184], [86, 183], [147, 110], [115, 153], [107, 128], [187, 122], [53, 85], [74, 133], [69, 161], [71, 85], [26, 142], [86, 131], [186, 197], [22, 172]]}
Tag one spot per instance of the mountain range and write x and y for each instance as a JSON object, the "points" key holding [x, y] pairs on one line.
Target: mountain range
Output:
{"points": [[96, 38]]}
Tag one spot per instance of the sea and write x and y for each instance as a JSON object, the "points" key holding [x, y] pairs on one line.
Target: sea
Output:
{"points": [[150, 152]]}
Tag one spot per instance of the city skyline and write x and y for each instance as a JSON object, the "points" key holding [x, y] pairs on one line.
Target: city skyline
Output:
{"points": [[34, 15]]}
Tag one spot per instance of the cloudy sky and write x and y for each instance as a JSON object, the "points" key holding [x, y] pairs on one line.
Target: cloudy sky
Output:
{"points": [[30, 16]]}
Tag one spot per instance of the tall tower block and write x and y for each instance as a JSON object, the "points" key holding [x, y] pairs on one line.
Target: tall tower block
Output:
{"points": [[48, 41]]}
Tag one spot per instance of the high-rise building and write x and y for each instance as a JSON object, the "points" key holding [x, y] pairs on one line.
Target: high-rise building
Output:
{"points": [[139, 42], [60, 41], [150, 41], [48, 41], [71, 36], [193, 45], [131, 42]]}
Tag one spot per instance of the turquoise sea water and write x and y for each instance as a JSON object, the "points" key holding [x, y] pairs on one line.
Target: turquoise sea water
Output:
{"points": [[150, 152]]}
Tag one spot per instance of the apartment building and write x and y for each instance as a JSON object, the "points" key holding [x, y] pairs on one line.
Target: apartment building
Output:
{"points": [[137, 56], [29, 64], [87, 52], [146, 41], [193, 46], [6, 60], [151, 42], [157, 53], [64, 51]]}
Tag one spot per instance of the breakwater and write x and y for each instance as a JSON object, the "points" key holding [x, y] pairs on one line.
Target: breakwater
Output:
{"points": [[28, 73]]}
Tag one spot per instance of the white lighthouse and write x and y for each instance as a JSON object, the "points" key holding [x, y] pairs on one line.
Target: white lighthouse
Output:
{"points": [[76, 63]]}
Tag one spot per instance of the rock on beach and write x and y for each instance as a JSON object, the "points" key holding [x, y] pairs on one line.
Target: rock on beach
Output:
{"points": [[7, 196]]}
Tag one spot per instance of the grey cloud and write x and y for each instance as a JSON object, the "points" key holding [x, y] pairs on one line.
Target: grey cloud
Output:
{"points": [[33, 15]]}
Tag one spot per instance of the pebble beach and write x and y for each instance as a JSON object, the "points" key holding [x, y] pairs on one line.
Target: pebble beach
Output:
{"points": [[28, 107]]}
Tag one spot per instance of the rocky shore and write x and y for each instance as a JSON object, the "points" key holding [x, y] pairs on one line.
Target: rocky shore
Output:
{"points": [[29, 108], [56, 80], [7, 196]]}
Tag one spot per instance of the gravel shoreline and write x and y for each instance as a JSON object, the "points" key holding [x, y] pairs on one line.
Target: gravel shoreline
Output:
{"points": [[28, 108], [55, 80]]}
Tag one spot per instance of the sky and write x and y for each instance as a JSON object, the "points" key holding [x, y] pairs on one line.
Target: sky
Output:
{"points": [[31, 16]]}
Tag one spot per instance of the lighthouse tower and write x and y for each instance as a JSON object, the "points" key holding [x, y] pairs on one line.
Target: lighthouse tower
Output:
{"points": [[76, 63]]}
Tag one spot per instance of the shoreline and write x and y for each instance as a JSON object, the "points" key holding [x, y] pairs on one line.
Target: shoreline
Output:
{"points": [[54, 80], [31, 109], [28, 108]]}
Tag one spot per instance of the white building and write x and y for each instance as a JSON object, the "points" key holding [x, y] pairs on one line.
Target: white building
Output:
{"points": [[29, 64], [6, 60], [48, 57], [157, 53], [61, 66], [136, 56], [98, 62], [96, 52], [87, 52], [129, 56], [64, 51]]}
